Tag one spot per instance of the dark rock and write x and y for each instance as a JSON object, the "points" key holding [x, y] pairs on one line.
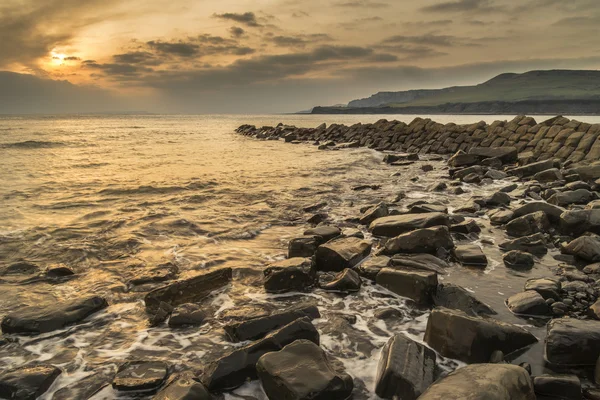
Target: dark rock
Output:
{"points": [[428, 208], [549, 175], [532, 169], [584, 247], [85, 388], [529, 302], [516, 259], [454, 334], [534, 244], [500, 217], [371, 267], [359, 188], [498, 199], [438, 187], [315, 207], [483, 382], [579, 196], [28, 382], [426, 262], [184, 387], [158, 273], [34, 320], [416, 285], [235, 368], [305, 246], [577, 222], [495, 174], [378, 211], [141, 376], [563, 387], [472, 178], [340, 254], [528, 224], [19, 268], [388, 313], [552, 212], [399, 224], [509, 188], [392, 158], [505, 154], [470, 254], [59, 271], [318, 218], [572, 342], [406, 369], [293, 274], [466, 227], [346, 281], [188, 290], [325, 232], [548, 288], [427, 168], [187, 314], [428, 240], [462, 159], [161, 314], [455, 297], [257, 328]]}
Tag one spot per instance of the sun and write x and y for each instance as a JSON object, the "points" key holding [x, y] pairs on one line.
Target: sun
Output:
{"points": [[58, 58]]}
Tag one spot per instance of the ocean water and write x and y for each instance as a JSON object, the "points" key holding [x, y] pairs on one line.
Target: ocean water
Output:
{"points": [[109, 196]]}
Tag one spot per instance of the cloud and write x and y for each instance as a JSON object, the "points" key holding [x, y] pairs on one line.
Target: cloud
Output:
{"points": [[463, 6], [429, 39], [72, 58], [180, 48], [362, 4], [236, 31], [299, 41], [247, 18]]}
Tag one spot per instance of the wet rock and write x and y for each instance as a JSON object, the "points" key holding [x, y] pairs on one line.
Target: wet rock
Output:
{"points": [[346, 281], [506, 154], [519, 260], [483, 382], [549, 175], [399, 224], [293, 274], [161, 314], [498, 199], [378, 211], [19, 268], [584, 247], [594, 310], [552, 212], [184, 387], [492, 162], [325, 232], [416, 285], [528, 224], [472, 178], [579, 196], [495, 174], [315, 207], [427, 168], [455, 297], [235, 368], [352, 232], [140, 376], [34, 320], [454, 334], [462, 159], [548, 288], [572, 342], [438, 187], [187, 314], [500, 217], [159, 273], [406, 369], [577, 222], [563, 387], [532, 169], [534, 244], [257, 328], [340, 254], [87, 387], [392, 158], [428, 208], [301, 371], [371, 267], [466, 227], [426, 262], [304, 246], [28, 382], [318, 218], [468, 208], [188, 290], [428, 240], [471, 255], [360, 188], [59, 271], [388, 313], [529, 302], [509, 188]]}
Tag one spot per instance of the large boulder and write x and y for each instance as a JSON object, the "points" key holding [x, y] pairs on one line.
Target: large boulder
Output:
{"points": [[579, 196], [529, 302], [325, 232], [301, 371], [454, 334], [518, 260], [532, 169], [470, 255], [552, 212], [506, 154], [416, 285], [483, 382], [292, 274], [140, 376], [398, 224], [426, 262], [427, 240], [189, 290], [462, 159], [235, 368], [584, 247], [346, 281], [27, 383], [378, 211], [184, 387], [548, 288], [257, 328], [406, 369], [34, 320], [303, 246], [572, 342], [534, 244], [528, 224], [549, 175], [455, 297], [340, 254], [563, 387], [576, 222]]}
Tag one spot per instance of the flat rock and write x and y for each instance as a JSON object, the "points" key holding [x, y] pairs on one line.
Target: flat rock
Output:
{"points": [[501, 217], [140, 376], [304, 246], [27, 383], [346, 281], [549, 175], [532, 169], [564, 199], [301, 371], [528, 224], [325, 232], [187, 314], [548, 288], [426, 262], [398, 224], [529, 302], [378, 211], [184, 387], [584, 247], [371, 266], [577, 222], [428, 208], [498, 199], [518, 260], [455, 297], [292, 274], [572, 342], [416, 285], [466, 227], [552, 212], [427, 240], [534, 244], [339, 254], [471, 255], [564, 387], [506, 154]]}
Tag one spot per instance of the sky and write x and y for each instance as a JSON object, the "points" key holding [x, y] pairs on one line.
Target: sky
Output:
{"points": [[271, 56]]}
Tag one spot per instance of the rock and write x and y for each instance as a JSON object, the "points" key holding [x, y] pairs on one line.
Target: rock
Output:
{"points": [[548, 288], [585, 247], [563, 387], [501, 217], [427, 168], [528, 224], [35, 320], [398, 224], [492, 163], [184, 387], [428, 240], [305, 246], [158, 273], [28, 382], [392, 158], [509, 188], [495, 174], [534, 244], [516, 259], [378, 211], [293, 274], [325, 232], [426, 262], [346, 281], [359, 188], [340, 254], [454, 334], [506, 154], [455, 297], [470, 254], [301, 371], [59, 271], [188, 290], [483, 382], [572, 342], [549, 175], [416, 285], [498, 199], [497, 357], [256, 328], [314, 207], [577, 222], [532, 169], [87, 387], [552, 212], [588, 172], [19, 268], [466, 227], [594, 310], [187, 314], [353, 232], [140, 376], [406, 369], [462, 159], [472, 178], [428, 208], [529, 302], [235, 368], [468, 208], [318, 218], [371, 267], [161, 314], [438, 187], [579, 196]]}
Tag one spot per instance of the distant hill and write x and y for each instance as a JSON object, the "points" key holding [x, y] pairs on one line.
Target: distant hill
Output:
{"points": [[555, 86]]}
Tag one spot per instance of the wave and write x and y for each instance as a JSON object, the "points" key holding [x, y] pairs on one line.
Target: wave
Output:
{"points": [[150, 189], [33, 144]]}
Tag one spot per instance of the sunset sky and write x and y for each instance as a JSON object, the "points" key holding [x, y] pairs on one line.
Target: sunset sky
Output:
{"points": [[274, 55]]}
